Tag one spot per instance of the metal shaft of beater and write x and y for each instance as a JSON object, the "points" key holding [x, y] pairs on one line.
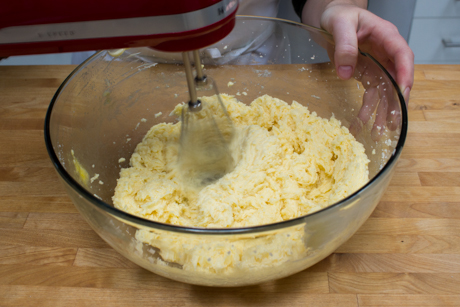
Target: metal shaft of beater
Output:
{"points": [[200, 77], [190, 81]]}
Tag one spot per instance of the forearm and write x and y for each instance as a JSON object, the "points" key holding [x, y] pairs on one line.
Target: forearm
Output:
{"points": [[313, 9]]}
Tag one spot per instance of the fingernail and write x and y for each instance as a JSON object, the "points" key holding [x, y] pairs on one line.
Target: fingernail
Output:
{"points": [[406, 94], [393, 120], [356, 127], [345, 72], [376, 132]]}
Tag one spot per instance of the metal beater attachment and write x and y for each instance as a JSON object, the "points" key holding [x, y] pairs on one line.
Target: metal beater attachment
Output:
{"points": [[206, 131], [194, 104]]}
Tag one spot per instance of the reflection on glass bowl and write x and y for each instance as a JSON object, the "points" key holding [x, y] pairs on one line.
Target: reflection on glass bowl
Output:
{"points": [[106, 106]]}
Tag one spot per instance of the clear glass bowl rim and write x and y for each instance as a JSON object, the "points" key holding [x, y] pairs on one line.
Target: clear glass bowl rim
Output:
{"points": [[133, 219]]}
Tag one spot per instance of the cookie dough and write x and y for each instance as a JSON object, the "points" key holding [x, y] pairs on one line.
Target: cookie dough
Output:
{"points": [[288, 162]]}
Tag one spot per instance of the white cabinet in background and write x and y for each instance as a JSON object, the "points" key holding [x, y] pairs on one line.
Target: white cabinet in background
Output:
{"points": [[435, 33], [437, 8]]}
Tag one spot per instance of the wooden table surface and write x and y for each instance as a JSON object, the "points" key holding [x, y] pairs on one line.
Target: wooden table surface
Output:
{"points": [[406, 254]]}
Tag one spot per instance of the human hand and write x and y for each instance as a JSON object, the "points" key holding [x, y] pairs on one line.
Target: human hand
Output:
{"points": [[354, 27]]}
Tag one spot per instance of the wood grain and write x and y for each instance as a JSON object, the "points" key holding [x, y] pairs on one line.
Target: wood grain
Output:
{"points": [[13, 219], [52, 238], [190, 296], [34, 188], [439, 152], [24, 160], [406, 254], [102, 257], [411, 226], [405, 178], [425, 127], [140, 279], [416, 115], [417, 210], [56, 221], [440, 179], [445, 116], [19, 203], [422, 140], [401, 244], [394, 283], [433, 103], [442, 75], [395, 263], [422, 194], [412, 300], [36, 255], [24, 174]]}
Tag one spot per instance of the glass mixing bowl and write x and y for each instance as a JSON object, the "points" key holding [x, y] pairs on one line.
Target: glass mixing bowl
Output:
{"points": [[107, 104]]}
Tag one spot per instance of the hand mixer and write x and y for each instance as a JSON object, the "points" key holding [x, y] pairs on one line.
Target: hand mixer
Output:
{"points": [[51, 26]]}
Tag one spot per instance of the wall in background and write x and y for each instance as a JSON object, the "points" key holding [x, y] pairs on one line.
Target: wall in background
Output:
{"points": [[435, 35], [399, 12], [44, 59]]}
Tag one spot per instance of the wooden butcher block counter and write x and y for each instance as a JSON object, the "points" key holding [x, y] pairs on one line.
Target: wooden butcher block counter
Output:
{"points": [[406, 254]]}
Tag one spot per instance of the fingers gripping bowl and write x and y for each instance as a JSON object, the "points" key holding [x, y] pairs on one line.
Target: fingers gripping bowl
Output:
{"points": [[108, 104]]}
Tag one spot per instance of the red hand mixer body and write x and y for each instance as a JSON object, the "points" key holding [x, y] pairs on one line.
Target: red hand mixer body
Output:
{"points": [[51, 26]]}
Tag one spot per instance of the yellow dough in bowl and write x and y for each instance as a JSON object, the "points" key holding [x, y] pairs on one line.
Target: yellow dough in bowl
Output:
{"points": [[288, 162]]}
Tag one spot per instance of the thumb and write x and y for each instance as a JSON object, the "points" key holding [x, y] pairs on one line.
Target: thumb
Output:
{"points": [[346, 45]]}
